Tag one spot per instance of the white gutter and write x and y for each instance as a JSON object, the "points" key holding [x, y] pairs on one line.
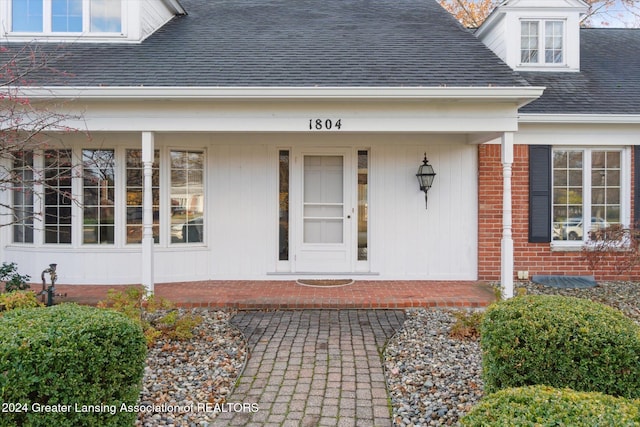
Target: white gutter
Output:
{"points": [[523, 95], [580, 118]]}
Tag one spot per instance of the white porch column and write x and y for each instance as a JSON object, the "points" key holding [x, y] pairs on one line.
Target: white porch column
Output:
{"points": [[147, 211], [506, 252]]}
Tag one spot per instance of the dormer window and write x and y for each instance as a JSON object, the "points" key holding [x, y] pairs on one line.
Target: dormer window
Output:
{"points": [[542, 42], [66, 16]]}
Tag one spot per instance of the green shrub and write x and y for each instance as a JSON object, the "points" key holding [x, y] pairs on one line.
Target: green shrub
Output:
{"points": [[18, 299], [561, 342], [71, 355], [546, 406], [12, 279]]}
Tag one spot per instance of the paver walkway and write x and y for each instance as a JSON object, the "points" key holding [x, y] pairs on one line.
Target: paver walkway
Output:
{"points": [[314, 368]]}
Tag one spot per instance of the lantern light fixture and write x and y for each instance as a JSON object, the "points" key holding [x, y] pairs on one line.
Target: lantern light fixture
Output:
{"points": [[425, 177]]}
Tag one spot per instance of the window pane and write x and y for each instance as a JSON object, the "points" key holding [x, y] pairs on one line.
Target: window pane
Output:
{"points": [[27, 16], [605, 193], [553, 42], [529, 42], [23, 197], [134, 188], [99, 194], [57, 196], [567, 195], [363, 205], [187, 196], [106, 16], [66, 15]]}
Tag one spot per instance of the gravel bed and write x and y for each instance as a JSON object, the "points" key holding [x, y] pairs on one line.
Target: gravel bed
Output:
{"points": [[433, 379], [186, 383]]}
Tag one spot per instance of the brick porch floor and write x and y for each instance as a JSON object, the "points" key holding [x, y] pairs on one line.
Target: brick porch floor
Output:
{"points": [[254, 295]]}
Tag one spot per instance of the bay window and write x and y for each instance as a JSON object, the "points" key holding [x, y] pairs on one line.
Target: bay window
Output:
{"points": [[84, 197]]}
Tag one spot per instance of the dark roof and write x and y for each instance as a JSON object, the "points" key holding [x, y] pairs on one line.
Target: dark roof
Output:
{"points": [[295, 43], [608, 81]]}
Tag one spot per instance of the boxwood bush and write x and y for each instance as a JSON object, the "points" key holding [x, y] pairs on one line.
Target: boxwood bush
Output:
{"points": [[560, 342], [546, 406], [82, 361]]}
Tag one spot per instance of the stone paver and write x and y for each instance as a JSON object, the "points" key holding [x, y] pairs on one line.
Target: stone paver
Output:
{"points": [[313, 368]]}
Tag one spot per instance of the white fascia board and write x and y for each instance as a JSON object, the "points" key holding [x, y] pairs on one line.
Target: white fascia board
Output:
{"points": [[175, 6], [521, 95], [580, 118]]}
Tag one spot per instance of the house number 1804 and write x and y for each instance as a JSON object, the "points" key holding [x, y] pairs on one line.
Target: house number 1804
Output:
{"points": [[325, 124]]}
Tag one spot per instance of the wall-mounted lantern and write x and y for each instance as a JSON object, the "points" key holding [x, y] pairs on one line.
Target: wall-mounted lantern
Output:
{"points": [[425, 177]]}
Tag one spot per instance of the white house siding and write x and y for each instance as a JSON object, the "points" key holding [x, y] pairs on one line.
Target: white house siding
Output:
{"points": [[406, 241], [495, 38]]}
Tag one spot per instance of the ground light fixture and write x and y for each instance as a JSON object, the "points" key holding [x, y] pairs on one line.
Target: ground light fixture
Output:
{"points": [[425, 177]]}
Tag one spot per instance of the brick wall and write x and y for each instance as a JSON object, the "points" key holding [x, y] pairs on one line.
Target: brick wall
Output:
{"points": [[536, 258]]}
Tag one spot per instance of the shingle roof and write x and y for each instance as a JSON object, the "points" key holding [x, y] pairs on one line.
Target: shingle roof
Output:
{"points": [[301, 43], [608, 81]]}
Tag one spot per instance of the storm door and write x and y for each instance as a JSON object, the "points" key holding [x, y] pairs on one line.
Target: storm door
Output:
{"points": [[324, 234]]}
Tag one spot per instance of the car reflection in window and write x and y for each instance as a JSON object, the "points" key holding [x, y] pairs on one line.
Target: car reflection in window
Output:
{"points": [[187, 232], [572, 229]]}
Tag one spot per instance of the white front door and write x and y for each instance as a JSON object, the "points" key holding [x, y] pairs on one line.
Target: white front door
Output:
{"points": [[323, 232]]}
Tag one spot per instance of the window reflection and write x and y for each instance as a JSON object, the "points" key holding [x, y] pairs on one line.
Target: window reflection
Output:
{"points": [[98, 196], [572, 183], [363, 205], [284, 206], [106, 16], [57, 196], [187, 196]]}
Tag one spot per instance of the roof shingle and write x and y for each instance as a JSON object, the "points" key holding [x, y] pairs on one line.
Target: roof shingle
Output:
{"points": [[608, 81], [301, 43]]}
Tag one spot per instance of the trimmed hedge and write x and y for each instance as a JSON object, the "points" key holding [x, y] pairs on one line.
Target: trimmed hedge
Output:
{"points": [[82, 361], [561, 342], [546, 406]]}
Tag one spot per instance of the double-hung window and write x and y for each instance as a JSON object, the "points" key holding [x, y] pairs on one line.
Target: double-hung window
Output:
{"points": [[66, 16], [58, 196], [588, 189], [187, 196], [23, 197], [542, 42], [98, 180]]}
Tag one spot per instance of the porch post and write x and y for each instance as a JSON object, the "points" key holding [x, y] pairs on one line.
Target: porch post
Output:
{"points": [[506, 247], [147, 211]]}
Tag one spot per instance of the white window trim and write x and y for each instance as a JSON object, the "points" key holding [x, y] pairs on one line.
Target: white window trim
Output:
{"points": [[541, 44], [625, 192], [6, 14]]}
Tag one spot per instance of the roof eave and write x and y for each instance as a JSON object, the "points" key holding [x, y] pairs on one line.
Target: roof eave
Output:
{"points": [[522, 95], [580, 118]]}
